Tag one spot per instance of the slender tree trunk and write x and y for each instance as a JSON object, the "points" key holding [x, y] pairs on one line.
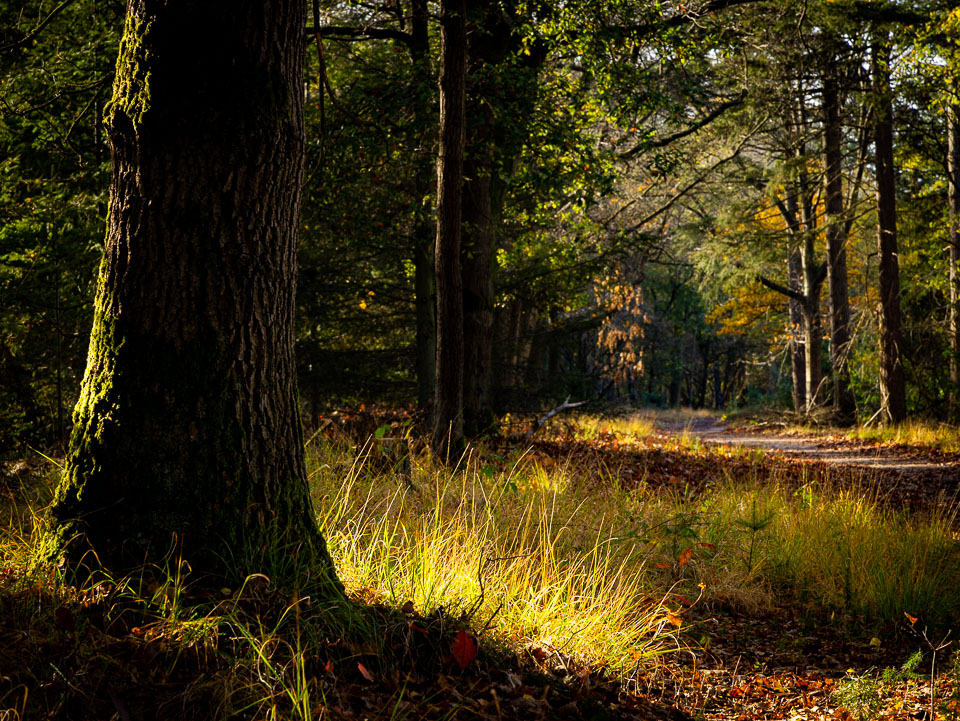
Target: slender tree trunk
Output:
{"points": [[425, 287], [812, 281], [844, 403], [187, 430], [797, 352], [953, 252], [490, 43], [447, 436], [505, 76], [892, 384], [480, 224]]}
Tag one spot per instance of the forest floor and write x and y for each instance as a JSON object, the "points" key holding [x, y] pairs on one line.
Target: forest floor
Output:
{"points": [[75, 656], [779, 666], [831, 447]]}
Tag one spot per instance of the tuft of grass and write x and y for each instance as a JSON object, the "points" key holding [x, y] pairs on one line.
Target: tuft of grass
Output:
{"points": [[516, 550]]}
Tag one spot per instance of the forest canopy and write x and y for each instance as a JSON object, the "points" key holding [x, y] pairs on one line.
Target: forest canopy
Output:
{"points": [[717, 204]]}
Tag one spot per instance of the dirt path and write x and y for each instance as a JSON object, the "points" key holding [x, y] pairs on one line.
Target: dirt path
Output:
{"points": [[905, 461]]}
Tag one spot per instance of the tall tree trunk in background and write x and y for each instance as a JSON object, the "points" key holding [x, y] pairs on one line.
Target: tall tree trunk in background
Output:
{"points": [[812, 276], [892, 384], [812, 330], [490, 42], [447, 432], [844, 402], [797, 352], [953, 252], [425, 287], [481, 220], [187, 431], [503, 73]]}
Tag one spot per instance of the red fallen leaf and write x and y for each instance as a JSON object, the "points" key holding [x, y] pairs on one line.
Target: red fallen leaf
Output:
{"points": [[707, 545], [364, 672], [664, 565], [328, 667], [684, 558], [683, 599], [464, 650]]}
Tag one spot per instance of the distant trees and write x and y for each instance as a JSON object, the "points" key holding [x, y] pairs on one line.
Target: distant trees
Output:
{"points": [[54, 82]]}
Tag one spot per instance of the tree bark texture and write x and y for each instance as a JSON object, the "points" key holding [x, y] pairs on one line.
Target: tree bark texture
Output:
{"points": [[187, 429], [844, 402], [447, 432], [892, 384], [953, 251]]}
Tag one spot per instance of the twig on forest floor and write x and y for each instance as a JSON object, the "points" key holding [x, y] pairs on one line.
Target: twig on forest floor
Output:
{"points": [[566, 405]]}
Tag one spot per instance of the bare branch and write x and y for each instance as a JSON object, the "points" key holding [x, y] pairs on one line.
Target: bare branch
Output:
{"points": [[566, 405]]}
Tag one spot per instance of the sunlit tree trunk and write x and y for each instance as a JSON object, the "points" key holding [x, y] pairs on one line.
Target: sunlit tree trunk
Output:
{"points": [[811, 276], [187, 432], [892, 384]]}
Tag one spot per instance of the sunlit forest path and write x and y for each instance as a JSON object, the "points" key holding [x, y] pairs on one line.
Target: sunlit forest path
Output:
{"points": [[828, 447]]}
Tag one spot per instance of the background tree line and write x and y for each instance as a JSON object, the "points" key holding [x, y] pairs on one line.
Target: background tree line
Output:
{"points": [[716, 204]]}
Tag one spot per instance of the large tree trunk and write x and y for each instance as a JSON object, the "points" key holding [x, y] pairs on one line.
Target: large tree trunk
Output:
{"points": [[844, 403], [447, 435], [953, 252], [892, 384], [187, 430]]}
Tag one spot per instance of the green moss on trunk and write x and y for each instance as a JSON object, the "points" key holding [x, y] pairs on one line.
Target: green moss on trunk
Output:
{"points": [[187, 434]]}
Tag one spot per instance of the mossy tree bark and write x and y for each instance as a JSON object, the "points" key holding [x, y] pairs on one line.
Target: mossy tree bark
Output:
{"points": [[187, 430]]}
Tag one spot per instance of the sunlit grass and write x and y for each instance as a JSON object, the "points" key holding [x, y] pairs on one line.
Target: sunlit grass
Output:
{"points": [[914, 433], [516, 549], [835, 551]]}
